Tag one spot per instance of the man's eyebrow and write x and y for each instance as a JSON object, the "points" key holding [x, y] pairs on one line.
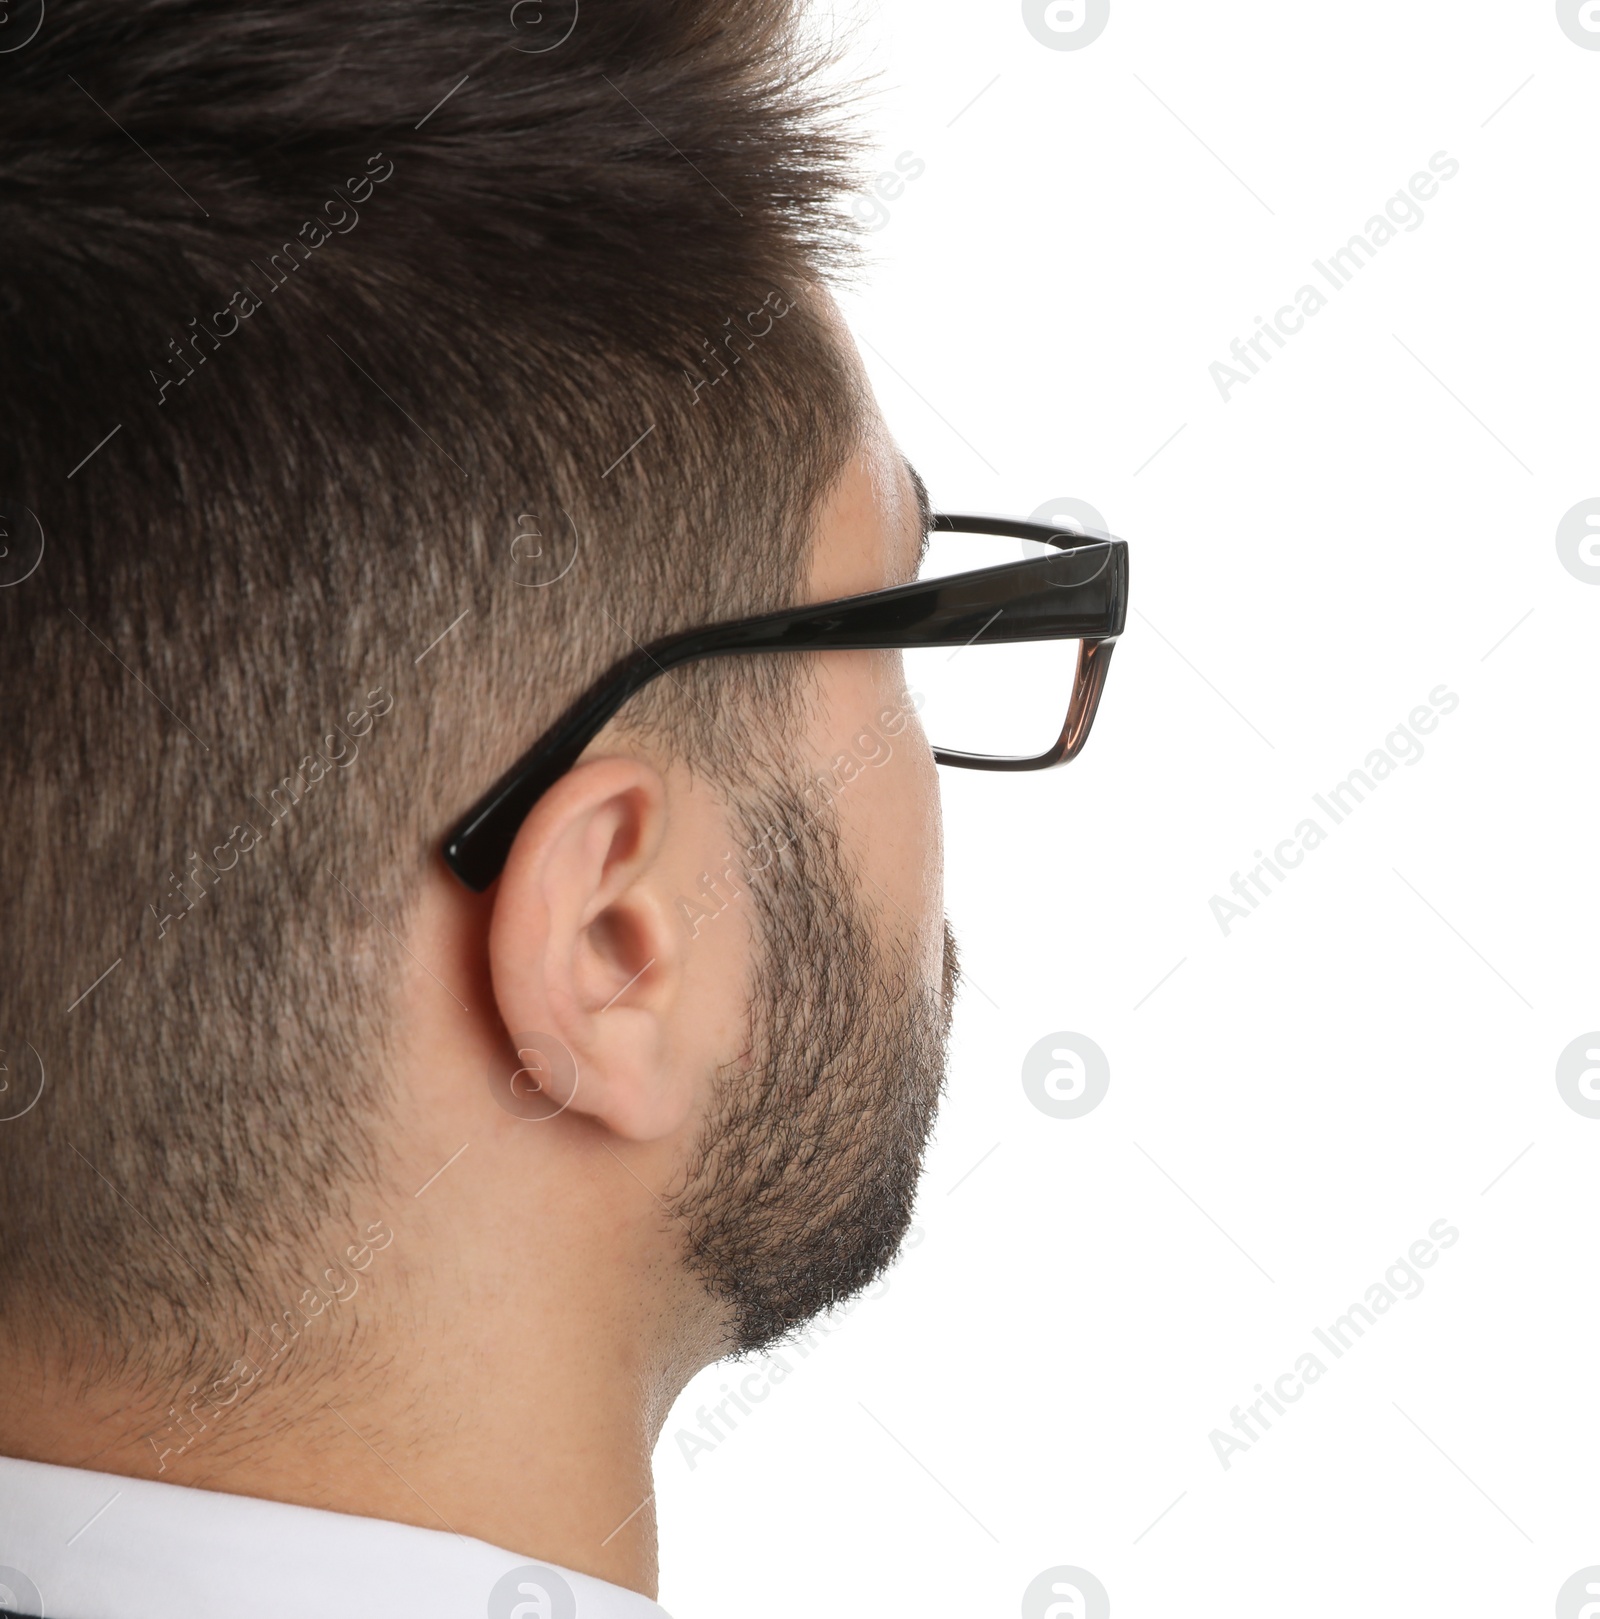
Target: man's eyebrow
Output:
{"points": [[924, 508]]}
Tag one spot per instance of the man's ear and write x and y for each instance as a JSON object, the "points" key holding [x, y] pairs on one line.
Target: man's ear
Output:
{"points": [[583, 946]]}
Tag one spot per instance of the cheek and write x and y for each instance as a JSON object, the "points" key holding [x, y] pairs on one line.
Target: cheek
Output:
{"points": [[889, 811], [909, 845]]}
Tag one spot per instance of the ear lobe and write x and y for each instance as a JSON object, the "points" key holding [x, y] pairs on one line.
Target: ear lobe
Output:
{"points": [[584, 948]]}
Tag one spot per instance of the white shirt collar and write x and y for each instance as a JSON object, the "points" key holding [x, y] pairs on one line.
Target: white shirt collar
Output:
{"points": [[97, 1546]]}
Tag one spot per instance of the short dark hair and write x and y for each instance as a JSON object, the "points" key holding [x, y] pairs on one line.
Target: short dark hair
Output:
{"points": [[375, 380]]}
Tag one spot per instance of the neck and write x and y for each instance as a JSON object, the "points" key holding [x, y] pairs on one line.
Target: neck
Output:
{"points": [[530, 1427]]}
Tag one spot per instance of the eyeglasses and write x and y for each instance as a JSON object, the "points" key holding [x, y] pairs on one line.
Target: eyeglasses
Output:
{"points": [[992, 654]]}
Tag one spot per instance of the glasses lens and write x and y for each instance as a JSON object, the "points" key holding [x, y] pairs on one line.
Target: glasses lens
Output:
{"points": [[1006, 699]]}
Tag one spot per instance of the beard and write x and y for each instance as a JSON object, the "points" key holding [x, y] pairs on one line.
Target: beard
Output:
{"points": [[802, 1183]]}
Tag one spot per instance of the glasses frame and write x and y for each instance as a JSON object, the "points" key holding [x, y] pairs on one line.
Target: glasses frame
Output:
{"points": [[1080, 594]]}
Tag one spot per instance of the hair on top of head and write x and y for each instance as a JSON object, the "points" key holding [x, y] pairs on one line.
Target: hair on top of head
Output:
{"points": [[670, 146], [379, 373]]}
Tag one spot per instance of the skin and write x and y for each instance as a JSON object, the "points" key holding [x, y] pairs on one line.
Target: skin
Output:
{"points": [[520, 1342]]}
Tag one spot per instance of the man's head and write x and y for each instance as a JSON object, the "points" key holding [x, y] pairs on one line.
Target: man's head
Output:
{"points": [[438, 373]]}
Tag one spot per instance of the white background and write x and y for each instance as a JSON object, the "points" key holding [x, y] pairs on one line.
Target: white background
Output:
{"points": [[1370, 517]]}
